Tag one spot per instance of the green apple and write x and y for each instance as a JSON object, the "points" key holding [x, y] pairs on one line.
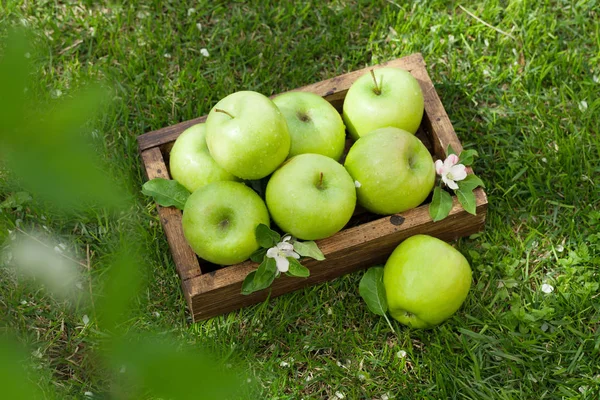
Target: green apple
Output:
{"points": [[311, 196], [393, 171], [220, 219], [385, 97], [315, 125], [190, 162], [426, 280], [247, 135]]}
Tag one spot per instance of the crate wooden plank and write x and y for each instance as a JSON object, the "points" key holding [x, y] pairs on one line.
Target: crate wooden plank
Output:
{"points": [[348, 251], [435, 117], [184, 257], [214, 293]]}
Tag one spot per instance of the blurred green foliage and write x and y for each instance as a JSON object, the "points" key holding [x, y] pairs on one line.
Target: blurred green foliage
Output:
{"points": [[47, 147], [47, 151]]}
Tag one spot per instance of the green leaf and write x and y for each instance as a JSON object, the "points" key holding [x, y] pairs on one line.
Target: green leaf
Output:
{"points": [[18, 382], [450, 150], [441, 204], [16, 200], [46, 145], [266, 272], [309, 249], [166, 192], [121, 286], [467, 157], [467, 200], [372, 290], [258, 255], [248, 285], [470, 182], [297, 269], [266, 237], [262, 278], [158, 366]]}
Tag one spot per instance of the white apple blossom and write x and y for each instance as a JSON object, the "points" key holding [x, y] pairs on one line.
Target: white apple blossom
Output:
{"points": [[281, 252], [451, 171], [546, 288]]}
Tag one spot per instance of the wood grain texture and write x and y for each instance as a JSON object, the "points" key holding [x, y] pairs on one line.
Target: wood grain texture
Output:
{"points": [[435, 118], [214, 293], [348, 251], [334, 90], [184, 257]]}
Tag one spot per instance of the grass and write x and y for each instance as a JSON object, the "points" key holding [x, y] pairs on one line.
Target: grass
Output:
{"points": [[524, 98]]}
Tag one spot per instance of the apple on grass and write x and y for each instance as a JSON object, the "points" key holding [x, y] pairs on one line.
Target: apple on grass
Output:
{"points": [[220, 219], [191, 164], [385, 97], [393, 170], [314, 124], [247, 135], [311, 196], [426, 281]]}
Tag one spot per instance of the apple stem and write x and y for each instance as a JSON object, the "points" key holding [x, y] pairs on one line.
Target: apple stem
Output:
{"points": [[321, 180], [377, 89], [224, 112]]}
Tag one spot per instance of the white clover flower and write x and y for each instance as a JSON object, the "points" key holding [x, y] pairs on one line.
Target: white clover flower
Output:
{"points": [[204, 52], [451, 171], [546, 288], [281, 252]]}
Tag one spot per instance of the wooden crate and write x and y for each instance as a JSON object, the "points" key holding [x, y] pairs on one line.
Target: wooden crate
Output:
{"points": [[367, 240]]}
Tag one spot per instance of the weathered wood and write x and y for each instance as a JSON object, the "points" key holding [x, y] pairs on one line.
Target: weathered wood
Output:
{"points": [[348, 251], [334, 90], [358, 247], [435, 118], [184, 257]]}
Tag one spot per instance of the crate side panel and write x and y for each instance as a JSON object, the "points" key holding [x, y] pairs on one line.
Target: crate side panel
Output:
{"points": [[165, 135], [435, 117], [365, 246], [185, 259]]}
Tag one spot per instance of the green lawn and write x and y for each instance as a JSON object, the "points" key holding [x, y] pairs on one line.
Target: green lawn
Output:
{"points": [[520, 81]]}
